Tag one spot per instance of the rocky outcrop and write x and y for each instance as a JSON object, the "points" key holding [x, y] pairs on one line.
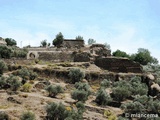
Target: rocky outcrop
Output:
{"points": [[118, 65]]}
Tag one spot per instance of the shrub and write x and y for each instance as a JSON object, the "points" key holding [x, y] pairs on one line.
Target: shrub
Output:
{"points": [[56, 111], [105, 83], [81, 92], [3, 67], [76, 75], [27, 116], [102, 97], [54, 90], [120, 93], [133, 107], [138, 88], [3, 82], [79, 95], [5, 52], [4, 116], [80, 106], [26, 74], [14, 82], [60, 112], [26, 87]]}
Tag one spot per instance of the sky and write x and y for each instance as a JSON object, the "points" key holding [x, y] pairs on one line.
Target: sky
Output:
{"points": [[124, 24]]}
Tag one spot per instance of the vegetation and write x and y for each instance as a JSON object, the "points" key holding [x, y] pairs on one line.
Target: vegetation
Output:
{"points": [[5, 52], [91, 41], [3, 82], [58, 40], [81, 92], [4, 116], [102, 97], [26, 87], [10, 42], [14, 82], [60, 112], [105, 83], [143, 56], [119, 53], [107, 46], [79, 37], [76, 75], [27, 116], [3, 67], [54, 90]]}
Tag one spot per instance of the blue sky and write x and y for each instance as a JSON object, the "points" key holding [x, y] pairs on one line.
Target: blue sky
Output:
{"points": [[124, 24]]}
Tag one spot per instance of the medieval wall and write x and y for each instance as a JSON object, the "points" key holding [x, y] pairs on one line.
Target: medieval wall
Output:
{"points": [[118, 65], [69, 43]]}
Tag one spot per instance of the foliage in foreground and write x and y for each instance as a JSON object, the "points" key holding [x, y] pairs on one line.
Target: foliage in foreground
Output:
{"points": [[27, 116], [60, 112], [53, 90], [4, 116], [76, 75], [81, 92], [102, 97]]}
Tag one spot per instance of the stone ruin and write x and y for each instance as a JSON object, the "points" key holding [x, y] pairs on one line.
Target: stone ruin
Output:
{"points": [[76, 51]]}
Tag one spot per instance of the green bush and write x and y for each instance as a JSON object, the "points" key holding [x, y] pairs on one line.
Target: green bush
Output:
{"points": [[4, 116], [26, 74], [60, 112], [54, 90], [27, 116], [5, 52], [56, 111], [137, 87], [79, 95], [102, 97], [80, 106], [3, 82], [105, 83], [58, 40], [14, 82], [81, 92], [3, 67], [76, 75], [26, 87]]}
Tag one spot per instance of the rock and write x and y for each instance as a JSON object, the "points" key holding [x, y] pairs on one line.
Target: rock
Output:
{"points": [[11, 99], [40, 86], [150, 76]]}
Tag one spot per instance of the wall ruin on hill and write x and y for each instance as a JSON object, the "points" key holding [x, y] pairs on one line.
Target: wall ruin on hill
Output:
{"points": [[118, 65]]}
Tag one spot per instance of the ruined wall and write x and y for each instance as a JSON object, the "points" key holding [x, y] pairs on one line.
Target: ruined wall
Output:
{"points": [[118, 65], [57, 56], [69, 43]]}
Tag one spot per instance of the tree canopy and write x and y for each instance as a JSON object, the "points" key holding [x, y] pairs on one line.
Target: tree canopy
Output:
{"points": [[10, 42], [143, 56], [58, 40], [91, 41]]}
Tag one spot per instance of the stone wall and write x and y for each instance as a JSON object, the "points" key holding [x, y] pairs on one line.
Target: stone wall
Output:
{"points": [[71, 43], [118, 65], [57, 56]]}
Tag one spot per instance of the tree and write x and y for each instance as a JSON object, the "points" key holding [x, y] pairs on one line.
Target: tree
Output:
{"points": [[143, 56], [107, 46], [119, 53], [5, 52], [79, 37], [54, 90], [10, 42], [44, 43], [91, 41], [58, 40]]}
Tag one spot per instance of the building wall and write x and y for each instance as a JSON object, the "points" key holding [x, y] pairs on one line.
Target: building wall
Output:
{"points": [[71, 43]]}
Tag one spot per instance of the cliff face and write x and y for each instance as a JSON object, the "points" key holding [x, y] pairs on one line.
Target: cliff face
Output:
{"points": [[118, 65]]}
